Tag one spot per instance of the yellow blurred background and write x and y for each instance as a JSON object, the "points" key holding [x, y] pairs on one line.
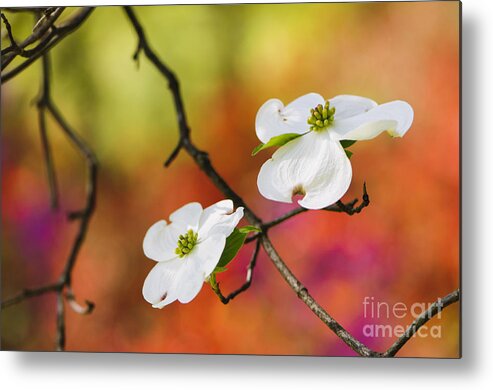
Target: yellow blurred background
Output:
{"points": [[230, 59]]}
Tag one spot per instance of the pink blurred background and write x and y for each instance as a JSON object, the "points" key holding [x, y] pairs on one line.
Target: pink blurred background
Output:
{"points": [[230, 59]]}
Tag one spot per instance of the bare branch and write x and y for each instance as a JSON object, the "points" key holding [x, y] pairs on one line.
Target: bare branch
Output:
{"points": [[202, 160], [303, 294], [50, 168], [200, 157], [45, 20], [30, 293], [49, 35], [248, 280], [52, 38], [350, 208], [427, 315], [339, 207], [22, 9], [60, 322], [83, 216], [88, 210], [173, 155], [13, 44], [173, 83]]}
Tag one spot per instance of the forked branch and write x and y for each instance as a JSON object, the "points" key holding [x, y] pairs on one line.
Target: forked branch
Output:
{"points": [[62, 287], [47, 33], [248, 280], [349, 208], [203, 161]]}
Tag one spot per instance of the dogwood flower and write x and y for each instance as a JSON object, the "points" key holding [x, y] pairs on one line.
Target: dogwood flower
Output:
{"points": [[314, 164], [187, 250]]}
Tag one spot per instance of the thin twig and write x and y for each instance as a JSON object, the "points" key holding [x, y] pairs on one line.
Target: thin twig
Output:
{"points": [[350, 209], [13, 44], [88, 210], [22, 9], [200, 157], [83, 216], [338, 207], [47, 17], [57, 34], [248, 280], [60, 322], [30, 293], [50, 168], [173, 83], [427, 315], [45, 20]]}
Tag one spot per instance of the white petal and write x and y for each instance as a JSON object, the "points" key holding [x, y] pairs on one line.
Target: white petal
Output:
{"points": [[314, 164], [394, 117], [190, 281], [183, 278], [187, 217], [158, 286], [219, 219], [274, 119], [198, 265], [160, 241], [207, 253], [349, 105]]}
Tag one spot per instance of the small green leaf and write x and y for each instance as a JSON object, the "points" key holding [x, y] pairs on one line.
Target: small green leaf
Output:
{"points": [[278, 140], [249, 228], [346, 143], [348, 153], [218, 270], [233, 244]]}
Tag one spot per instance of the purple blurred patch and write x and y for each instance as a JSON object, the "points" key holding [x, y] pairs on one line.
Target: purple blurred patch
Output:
{"points": [[351, 261]]}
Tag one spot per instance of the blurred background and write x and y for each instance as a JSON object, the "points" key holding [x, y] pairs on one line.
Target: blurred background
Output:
{"points": [[404, 248]]}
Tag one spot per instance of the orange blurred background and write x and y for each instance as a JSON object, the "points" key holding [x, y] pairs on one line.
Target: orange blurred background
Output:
{"points": [[230, 59]]}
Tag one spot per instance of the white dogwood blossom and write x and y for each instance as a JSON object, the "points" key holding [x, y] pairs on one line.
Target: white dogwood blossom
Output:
{"points": [[313, 162], [187, 250]]}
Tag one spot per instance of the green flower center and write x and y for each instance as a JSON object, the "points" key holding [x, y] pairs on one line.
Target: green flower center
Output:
{"points": [[186, 242], [322, 117]]}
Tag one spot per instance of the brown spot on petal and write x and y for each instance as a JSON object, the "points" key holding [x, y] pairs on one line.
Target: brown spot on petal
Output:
{"points": [[298, 190]]}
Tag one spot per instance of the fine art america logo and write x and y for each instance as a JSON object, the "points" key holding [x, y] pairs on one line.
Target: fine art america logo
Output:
{"points": [[380, 312]]}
